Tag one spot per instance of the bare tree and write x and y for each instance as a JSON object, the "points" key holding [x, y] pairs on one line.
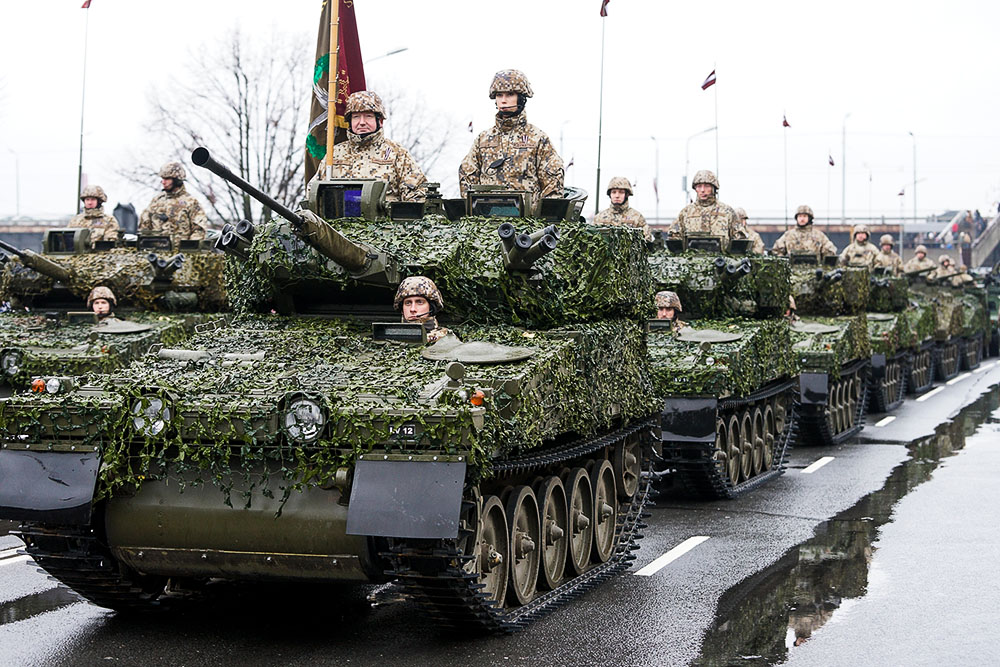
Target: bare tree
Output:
{"points": [[424, 132]]}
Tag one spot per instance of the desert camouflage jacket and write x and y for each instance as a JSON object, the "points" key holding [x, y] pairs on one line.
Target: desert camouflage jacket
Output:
{"points": [[859, 254], [891, 260], [708, 216], [175, 214], [804, 239], [622, 215], [374, 156], [917, 264], [758, 243], [103, 227]]}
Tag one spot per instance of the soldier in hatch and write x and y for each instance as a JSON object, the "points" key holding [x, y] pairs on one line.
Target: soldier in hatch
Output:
{"points": [[368, 154], [102, 301], [888, 257], [804, 238], [945, 269], [419, 300], [513, 153], [103, 227], [758, 243], [707, 214], [174, 212], [668, 307], [619, 213], [920, 261], [861, 251]]}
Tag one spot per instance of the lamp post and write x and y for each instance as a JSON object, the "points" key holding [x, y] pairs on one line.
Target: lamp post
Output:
{"points": [[17, 181], [914, 137], [687, 153], [656, 177], [843, 172]]}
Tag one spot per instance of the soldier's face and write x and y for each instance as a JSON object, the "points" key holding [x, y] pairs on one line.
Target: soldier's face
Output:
{"points": [[802, 219], [415, 307], [921, 255], [618, 195], [887, 248], [704, 190], [363, 122], [90, 202], [167, 184], [101, 306], [664, 313], [506, 101], [861, 237]]}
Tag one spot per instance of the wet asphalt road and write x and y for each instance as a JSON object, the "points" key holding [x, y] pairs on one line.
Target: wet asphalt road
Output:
{"points": [[788, 564]]}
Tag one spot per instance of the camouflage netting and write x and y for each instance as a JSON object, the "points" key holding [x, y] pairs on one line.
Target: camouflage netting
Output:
{"points": [[828, 352], [761, 355], [888, 294], [127, 272], [594, 273], [710, 292], [948, 305], [229, 411], [888, 332], [920, 324], [975, 313], [826, 296]]}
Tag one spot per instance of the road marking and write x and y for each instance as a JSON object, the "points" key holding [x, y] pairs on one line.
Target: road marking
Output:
{"points": [[16, 559], [932, 392], [986, 367], [672, 555], [7, 553], [887, 420], [817, 465], [958, 379]]}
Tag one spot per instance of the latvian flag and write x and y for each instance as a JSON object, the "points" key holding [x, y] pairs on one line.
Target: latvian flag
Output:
{"points": [[710, 81]]}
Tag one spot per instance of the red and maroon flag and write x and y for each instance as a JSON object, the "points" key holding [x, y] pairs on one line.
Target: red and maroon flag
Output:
{"points": [[784, 121], [830, 160], [85, 5], [604, 7], [709, 81]]}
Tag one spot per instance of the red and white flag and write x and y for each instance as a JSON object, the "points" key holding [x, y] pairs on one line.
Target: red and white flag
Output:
{"points": [[830, 159], [86, 5], [570, 163], [604, 7], [902, 193], [470, 126], [784, 121], [709, 82]]}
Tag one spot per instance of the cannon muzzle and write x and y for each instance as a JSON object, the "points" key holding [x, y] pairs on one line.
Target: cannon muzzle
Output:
{"points": [[43, 265], [524, 252], [164, 269], [235, 239]]}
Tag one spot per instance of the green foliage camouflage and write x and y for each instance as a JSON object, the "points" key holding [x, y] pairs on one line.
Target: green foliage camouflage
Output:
{"points": [[817, 295], [949, 306], [888, 294], [825, 344]]}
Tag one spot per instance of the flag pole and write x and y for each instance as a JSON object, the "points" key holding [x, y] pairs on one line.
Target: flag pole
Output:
{"points": [[716, 96], [600, 119], [334, 71], [784, 131], [83, 97]]}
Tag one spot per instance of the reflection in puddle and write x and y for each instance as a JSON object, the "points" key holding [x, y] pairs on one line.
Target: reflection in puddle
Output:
{"points": [[36, 603], [763, 618]]}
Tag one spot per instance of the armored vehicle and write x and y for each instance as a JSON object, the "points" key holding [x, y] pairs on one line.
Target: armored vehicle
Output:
{"points": [[45, 331], [314, 437], [725, 380], [961, 323]]}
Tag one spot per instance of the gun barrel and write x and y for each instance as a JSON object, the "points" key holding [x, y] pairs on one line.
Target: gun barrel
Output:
{"points": [[41, 264], [201, 157]]}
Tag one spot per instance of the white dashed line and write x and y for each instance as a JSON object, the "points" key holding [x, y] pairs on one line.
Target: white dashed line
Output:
{"points": [[8, 553], [932, 392], [885, 421], [15, 559], [986, 367], [672, 555], [958, 379], [817, 465]]}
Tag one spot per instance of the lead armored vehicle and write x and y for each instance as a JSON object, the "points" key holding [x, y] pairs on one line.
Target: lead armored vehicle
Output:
{"points": [[725, 380], [46, 333], [314, 437]]}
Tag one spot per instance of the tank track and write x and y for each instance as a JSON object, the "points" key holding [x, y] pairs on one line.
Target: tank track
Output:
{"points": [[816, 419], [947, 360], [884, 399], [971, 353], [703, 477], [920, 370], [431, 571]]}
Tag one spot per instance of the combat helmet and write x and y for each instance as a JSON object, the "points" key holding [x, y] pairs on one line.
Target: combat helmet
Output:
{"points": [[510, 81], [101, 292], [95, 191], [667, 299], [921, 248], [619, 183], [944, 258], [174, 170], [861, 227], [705, 176], [886, 238], [808, 211], [741, 213], [364, 100], [419, 286]]}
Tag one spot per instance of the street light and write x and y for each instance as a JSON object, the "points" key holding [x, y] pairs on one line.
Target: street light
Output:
{"points": [[687, 152], [386, 55], [843, 173], [914, 137], [17, 181], [656, 177]]}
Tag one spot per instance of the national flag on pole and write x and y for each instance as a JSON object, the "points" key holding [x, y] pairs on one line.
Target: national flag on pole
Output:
{"points": [[86, 5], [570, 162], [350, 79], [902, 193], [604, 7], [470, 126], [709, 82], [830, 159], [784, 121]]}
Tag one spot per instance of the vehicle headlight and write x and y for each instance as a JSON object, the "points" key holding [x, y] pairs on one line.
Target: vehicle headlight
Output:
{"points": [[150, 415], [304, 420], [53, 385], [10, 362]]}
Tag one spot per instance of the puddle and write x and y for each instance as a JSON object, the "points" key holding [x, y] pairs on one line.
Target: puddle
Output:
{"points": [[36, 603], [762, 619]]}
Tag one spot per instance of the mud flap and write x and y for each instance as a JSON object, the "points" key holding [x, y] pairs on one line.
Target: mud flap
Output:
{"points": [[419, 499], [689, 419], [48, 487], [814, 388]]}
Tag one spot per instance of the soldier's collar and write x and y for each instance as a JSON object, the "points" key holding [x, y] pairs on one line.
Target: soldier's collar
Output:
{"points": [[505, 123], [360, 140]]}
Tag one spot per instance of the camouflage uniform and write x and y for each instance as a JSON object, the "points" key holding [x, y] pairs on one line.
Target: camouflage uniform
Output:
{"points": [[668, 299], [859, 253], [709, 215], [943, 271], [373, 156], [889, 259], [621, 215], [102, 292], [962, 277], [103, 227], [804, 239], [425, 287], [528, 161], [915, 263], [758, 243], [176, 213]]}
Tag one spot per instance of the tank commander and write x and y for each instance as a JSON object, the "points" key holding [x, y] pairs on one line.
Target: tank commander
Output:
{"points": [[668, 305], [174, 212], [419, 300], [945, 269], [888, 257], [804, 238], [920, 261], [620, 214], [368, 154], [513, 153], [758, 243], [103, 227], [707, 214], [861, 251], [102, 301]]}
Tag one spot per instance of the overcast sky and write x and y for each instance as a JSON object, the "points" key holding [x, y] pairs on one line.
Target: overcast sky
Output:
{"points": [[896, 67]]}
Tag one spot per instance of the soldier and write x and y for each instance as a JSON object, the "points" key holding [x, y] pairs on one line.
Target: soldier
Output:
{"points": [[103, 227], [945, 269], [619, 214], [174, 212], [668, 305], [791, 313], [860, 252], [888, 258], [804, 238], [368, 154], [758, 243], [920, 261], [419, 300], [102, 301], [706, 214], [513, 153], [962, 277]]}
